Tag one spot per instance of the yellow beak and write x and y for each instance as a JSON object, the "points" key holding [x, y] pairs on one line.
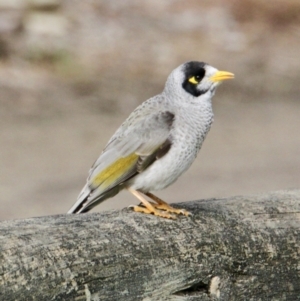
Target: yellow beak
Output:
{"points": [[221, 75]]}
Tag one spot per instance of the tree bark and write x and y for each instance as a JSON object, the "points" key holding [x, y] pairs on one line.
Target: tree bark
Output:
{"points": [[239, 248]]}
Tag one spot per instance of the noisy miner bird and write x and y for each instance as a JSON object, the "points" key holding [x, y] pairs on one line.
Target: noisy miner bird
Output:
{"points": [[157, 142]]}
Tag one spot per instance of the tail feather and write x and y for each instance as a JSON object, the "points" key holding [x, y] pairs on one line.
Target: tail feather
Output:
{"points": [[81, 199], [84, 203]]}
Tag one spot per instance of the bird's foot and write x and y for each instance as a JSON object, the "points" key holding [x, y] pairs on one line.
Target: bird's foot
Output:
{"points": [[162, 205], [153, 211], [147, 207], [168, 208]]}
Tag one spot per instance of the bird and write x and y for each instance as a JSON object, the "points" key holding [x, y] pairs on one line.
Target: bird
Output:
{"points": [[157, 143]]}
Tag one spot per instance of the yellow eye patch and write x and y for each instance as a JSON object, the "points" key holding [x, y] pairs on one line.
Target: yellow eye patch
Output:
{"points": [[193, 80]]}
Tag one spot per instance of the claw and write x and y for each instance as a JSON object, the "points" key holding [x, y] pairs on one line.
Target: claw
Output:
{"points": [[157, 207], [155, 212], [162, 205], [147, 207]]}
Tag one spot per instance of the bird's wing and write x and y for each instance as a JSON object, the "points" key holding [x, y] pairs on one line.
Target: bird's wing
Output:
{"points": [[129, 152], [122, 154]]}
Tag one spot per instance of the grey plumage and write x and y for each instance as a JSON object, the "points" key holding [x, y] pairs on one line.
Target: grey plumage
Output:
{"points": [[159, 140]]}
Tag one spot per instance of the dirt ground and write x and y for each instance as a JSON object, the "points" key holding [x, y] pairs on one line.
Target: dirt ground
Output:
{"points": [[57, 113]]}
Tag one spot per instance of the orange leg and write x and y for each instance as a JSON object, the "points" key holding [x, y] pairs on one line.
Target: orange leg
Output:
{"points": [[162, 205], [149, 208]]}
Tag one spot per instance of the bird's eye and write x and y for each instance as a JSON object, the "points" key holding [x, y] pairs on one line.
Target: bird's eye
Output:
{"points": [[194, 79], [198, 77]]}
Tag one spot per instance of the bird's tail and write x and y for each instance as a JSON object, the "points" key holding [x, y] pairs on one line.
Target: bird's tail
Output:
{"points": [[85, 201]]}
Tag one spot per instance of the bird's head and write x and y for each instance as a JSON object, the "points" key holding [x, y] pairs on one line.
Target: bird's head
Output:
{"points": [[196, 79]]}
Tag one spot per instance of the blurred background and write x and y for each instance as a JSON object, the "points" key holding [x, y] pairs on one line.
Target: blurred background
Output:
{"points": [[71, 72]]}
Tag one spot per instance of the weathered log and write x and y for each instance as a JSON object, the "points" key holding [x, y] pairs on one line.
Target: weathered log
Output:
{"points": [[239, 248]]}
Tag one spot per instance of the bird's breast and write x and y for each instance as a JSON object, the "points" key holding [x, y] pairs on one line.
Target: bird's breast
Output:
{"points": [[191, 126], [187, 135]]}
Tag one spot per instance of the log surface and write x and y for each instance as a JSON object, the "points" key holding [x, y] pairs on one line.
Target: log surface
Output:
{"points": [[238, 248]]}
